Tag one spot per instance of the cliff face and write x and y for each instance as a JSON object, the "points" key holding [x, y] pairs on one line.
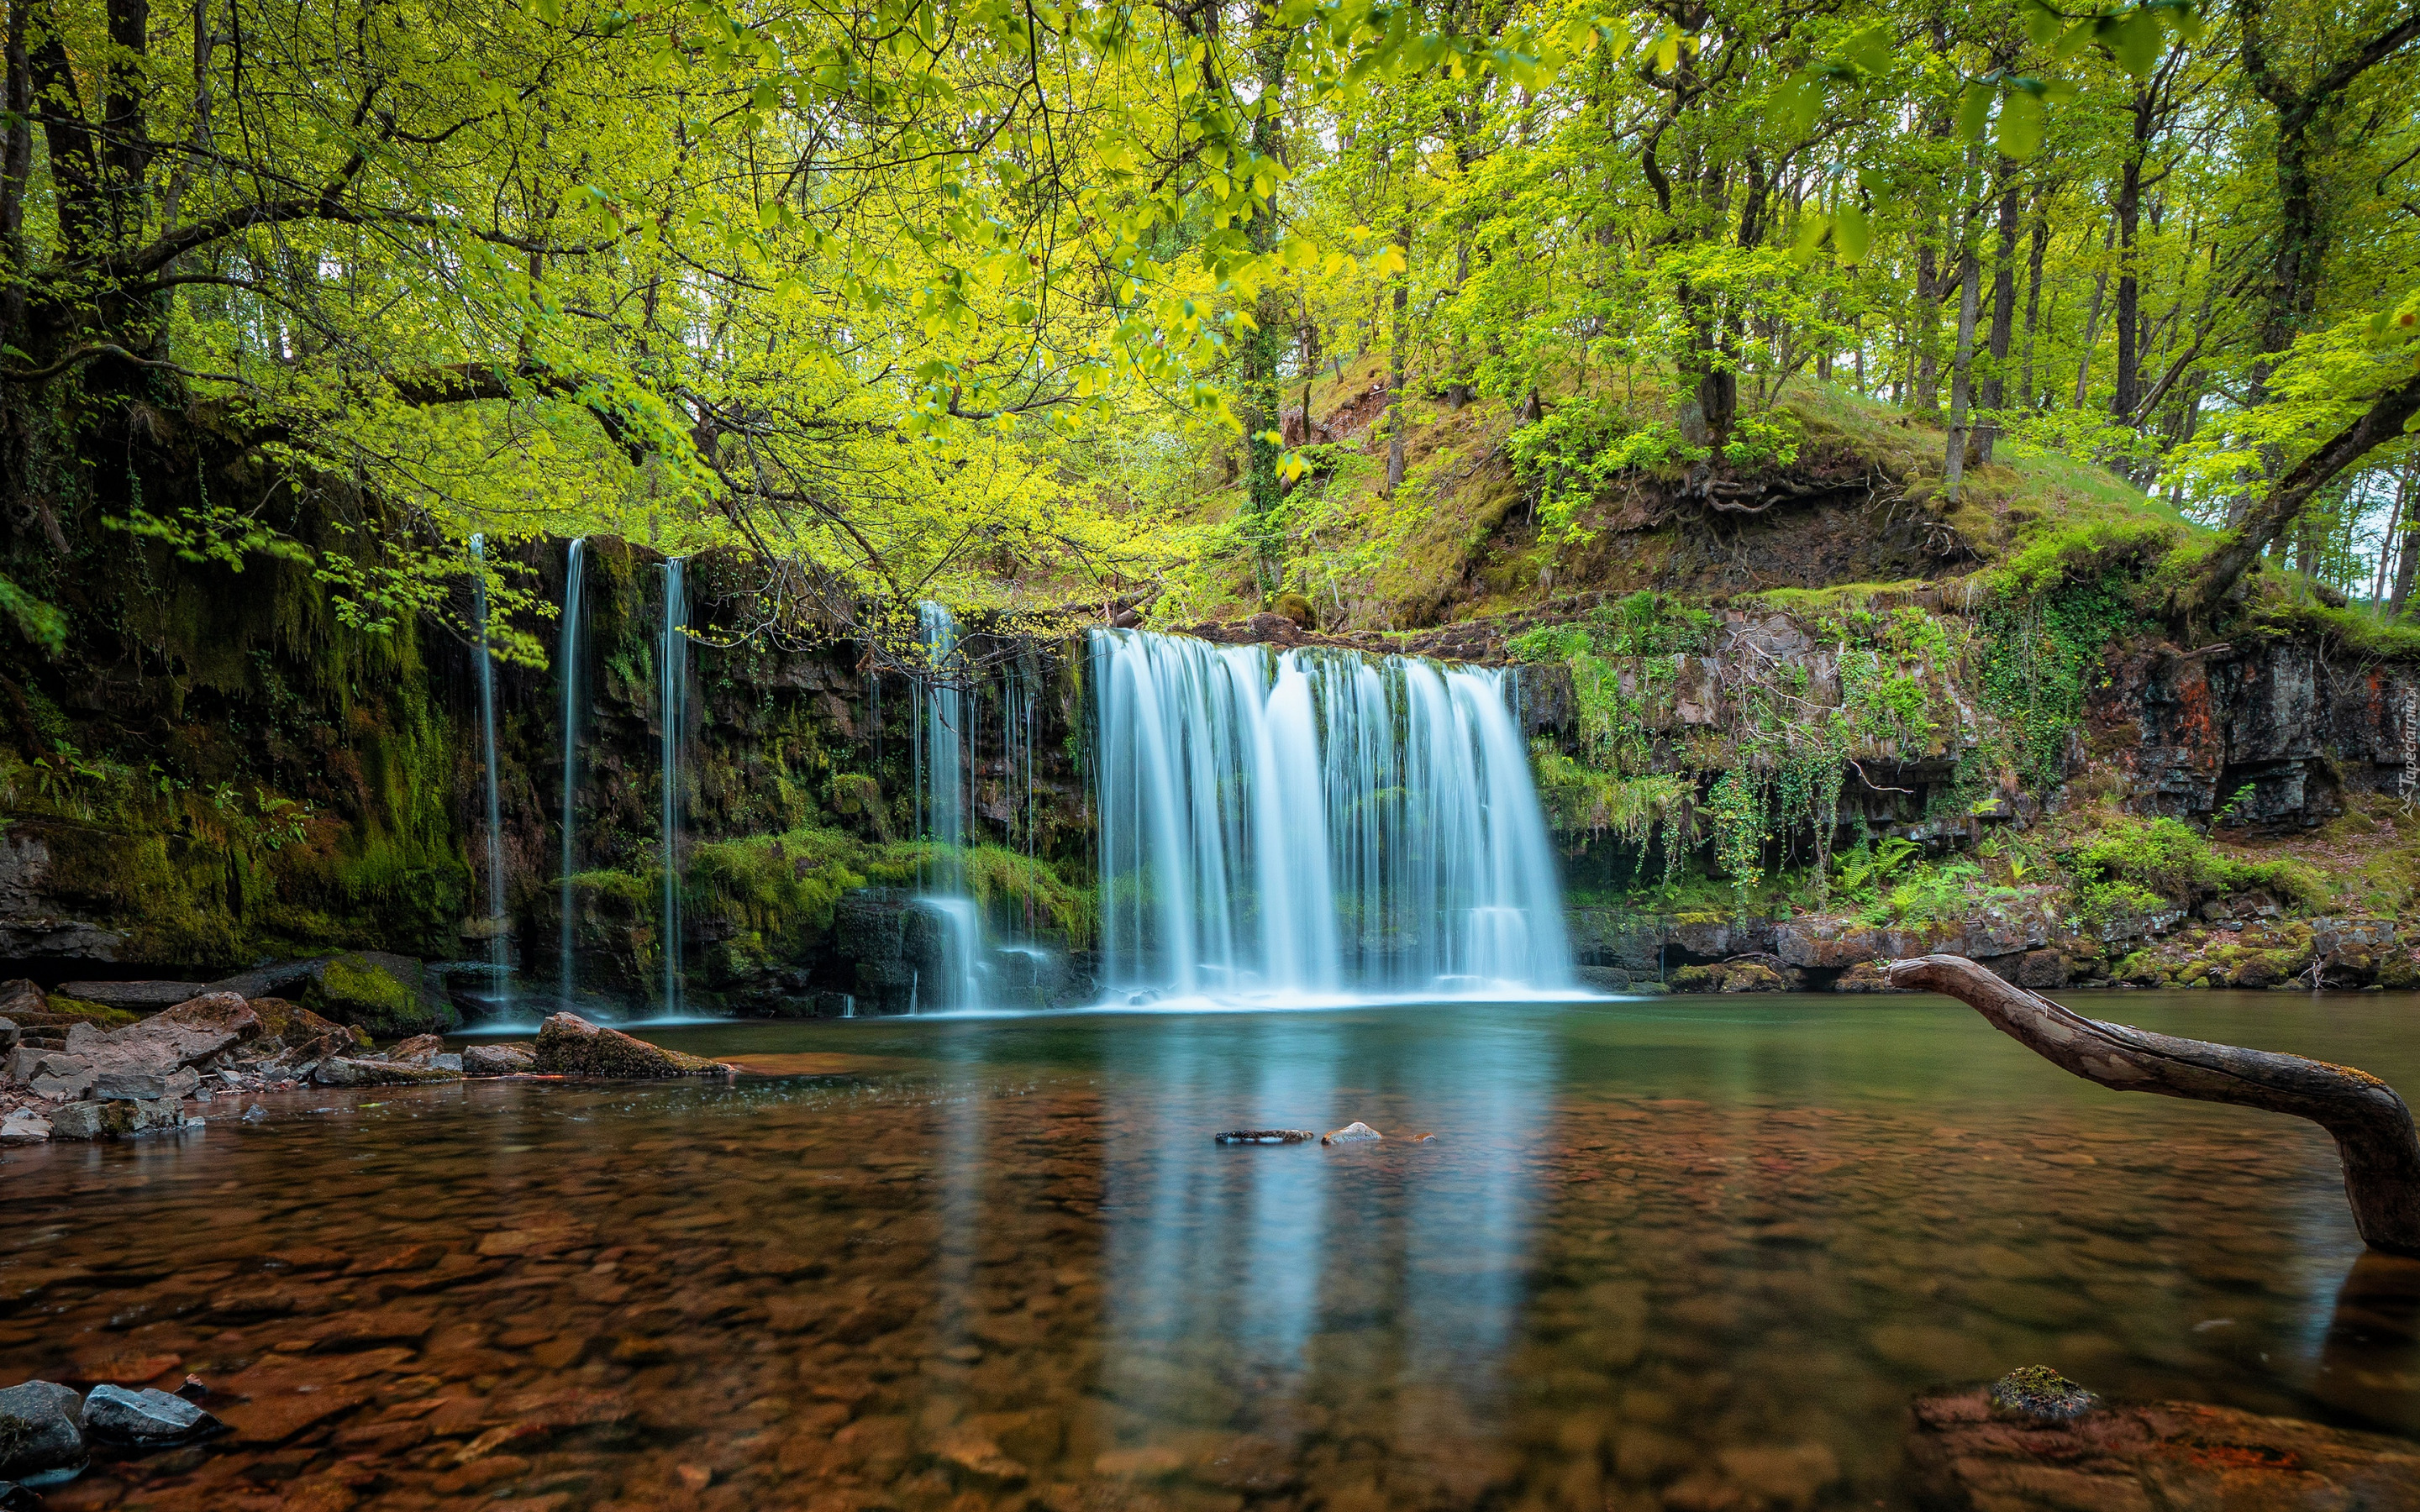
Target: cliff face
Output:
{"points": [[1882, 785], [221, 769], [2272, 733]]}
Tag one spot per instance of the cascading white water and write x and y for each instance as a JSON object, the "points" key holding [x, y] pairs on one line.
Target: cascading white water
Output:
{"points": [[942, 800], [567, 653], [499, 944], [1315, 824], [672, 704]]}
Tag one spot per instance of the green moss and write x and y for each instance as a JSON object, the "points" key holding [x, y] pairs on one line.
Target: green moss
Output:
{"points": [[97, 1014], [351, 982]]}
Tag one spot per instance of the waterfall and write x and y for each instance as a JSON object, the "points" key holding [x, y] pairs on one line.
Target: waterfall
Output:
{"points": [[941, 804], [499, 945], [1315, 824], [568, 648], [672, 701]]}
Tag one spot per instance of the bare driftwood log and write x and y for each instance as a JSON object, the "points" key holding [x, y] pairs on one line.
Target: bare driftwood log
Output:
{"points": [[2371, 1125]]}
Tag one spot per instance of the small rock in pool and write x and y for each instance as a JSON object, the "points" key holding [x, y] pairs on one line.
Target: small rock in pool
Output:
{"points": [[41, 1437], [145, 1419], [1352, 1133], [2038, 1391], [511, 1059], [1264, 1136]]}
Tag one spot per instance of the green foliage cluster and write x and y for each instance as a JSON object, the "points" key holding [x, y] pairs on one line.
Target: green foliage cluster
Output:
{"points": [[2041, 656], [2170, 863], [780, 891], [1575, 451]]}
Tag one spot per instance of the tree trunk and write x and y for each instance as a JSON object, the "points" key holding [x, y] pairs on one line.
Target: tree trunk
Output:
{"points": [[2126, 389], [2371, 1125], [1994, 388], [1927, 331], [2407, 558], [1962, 373], [2033, 298], [1263, 400], [1396, 337], [2092, 319]]}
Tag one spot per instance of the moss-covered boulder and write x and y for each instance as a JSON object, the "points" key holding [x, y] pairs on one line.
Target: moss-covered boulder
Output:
{"points": [[569, 1045], [386, 995], [292, 1023]]}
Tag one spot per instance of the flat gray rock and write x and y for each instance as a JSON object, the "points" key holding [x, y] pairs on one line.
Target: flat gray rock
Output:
{"points": [[135, 994], [146, 1418]]}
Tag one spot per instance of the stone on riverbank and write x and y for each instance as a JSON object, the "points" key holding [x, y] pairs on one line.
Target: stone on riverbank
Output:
{"points": [[569, 1045], [345, 1071], [115, 1119], [1964, 1452], [145, 1419], [514, 1058], [41, 1430]]}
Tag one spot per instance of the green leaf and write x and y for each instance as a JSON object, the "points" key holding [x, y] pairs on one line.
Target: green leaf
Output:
{"points": [[2132, 38], [2021, 124], [1851, 235], [1973, 111], [2042, 23]]}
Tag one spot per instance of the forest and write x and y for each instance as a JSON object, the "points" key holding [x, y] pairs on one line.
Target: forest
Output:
{"points": [[1068, 310]]}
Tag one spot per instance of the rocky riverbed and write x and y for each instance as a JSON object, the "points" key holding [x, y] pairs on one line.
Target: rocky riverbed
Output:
{"points": [[1654, 1263], [64, 1077]]}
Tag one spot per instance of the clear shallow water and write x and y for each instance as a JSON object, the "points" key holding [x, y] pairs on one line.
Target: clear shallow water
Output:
{"points": [[1662, 1253]]}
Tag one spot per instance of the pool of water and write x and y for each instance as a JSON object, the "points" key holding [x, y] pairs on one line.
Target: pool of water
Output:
{"points": [[1682, 1254]]}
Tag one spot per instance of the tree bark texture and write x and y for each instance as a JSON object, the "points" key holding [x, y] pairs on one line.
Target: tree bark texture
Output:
{"points": [[2371, 1125]]}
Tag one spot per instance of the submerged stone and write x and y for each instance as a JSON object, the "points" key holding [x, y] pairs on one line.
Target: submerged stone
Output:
{"points": [[1965, 1450], [1265, 1136], [146, 1418], [1352, 1133], [344, 1071]]}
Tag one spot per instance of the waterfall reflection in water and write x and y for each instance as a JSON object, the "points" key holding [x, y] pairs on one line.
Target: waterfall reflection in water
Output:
{"points": [[1658, 1255], [1296, 825]]}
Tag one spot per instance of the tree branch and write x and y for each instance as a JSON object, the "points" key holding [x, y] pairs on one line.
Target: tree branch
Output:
{"points": [[2383, 421], [2371, 1125]]}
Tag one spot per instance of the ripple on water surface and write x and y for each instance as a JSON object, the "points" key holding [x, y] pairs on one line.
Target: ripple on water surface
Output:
{"points": [[1660, 1255]]}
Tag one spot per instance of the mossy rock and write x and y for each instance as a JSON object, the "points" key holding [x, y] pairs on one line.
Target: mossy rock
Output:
{"points": [[386, 995], [296, 1024], [100, 1015], [1694, 980]]}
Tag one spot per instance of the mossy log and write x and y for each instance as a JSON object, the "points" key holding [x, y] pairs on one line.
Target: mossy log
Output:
{"points": [[2371, 1125]]}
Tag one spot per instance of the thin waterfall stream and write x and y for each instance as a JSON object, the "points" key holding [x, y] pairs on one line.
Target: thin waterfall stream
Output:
{"points": [[499, 936], [943, 803], [574, 627], [672, 699], [1311, 825]]}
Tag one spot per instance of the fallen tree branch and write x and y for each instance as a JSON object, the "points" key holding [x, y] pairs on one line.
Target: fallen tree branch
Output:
{"points": [[2371, 1125]]}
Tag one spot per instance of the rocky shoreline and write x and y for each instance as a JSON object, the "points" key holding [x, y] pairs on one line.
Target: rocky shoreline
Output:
{"points": [[64, 1077], [2253, 948]]}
